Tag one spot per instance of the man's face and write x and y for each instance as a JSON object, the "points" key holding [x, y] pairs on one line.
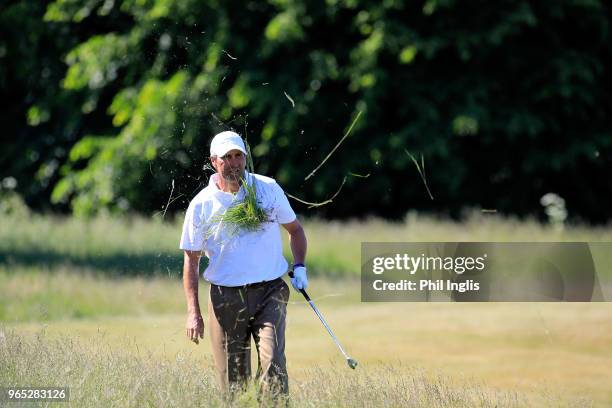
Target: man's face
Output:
{"points": [[231, 166]]}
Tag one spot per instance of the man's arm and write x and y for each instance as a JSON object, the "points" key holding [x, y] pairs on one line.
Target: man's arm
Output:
{"points": [[297, 241], [191, 268]]}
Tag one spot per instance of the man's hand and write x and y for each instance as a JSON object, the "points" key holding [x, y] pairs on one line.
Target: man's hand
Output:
{"points": [[195, 327], [299, 280]]}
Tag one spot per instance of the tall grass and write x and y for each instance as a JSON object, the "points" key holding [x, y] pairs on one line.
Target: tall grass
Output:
{"points": [[43, 294], [101, 376], [51, 271], [107, 245]]}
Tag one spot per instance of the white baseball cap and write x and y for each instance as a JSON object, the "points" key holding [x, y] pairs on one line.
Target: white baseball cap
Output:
{"points": [[224, 142]]}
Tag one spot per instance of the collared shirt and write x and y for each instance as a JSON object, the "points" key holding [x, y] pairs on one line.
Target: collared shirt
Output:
{"points": [[238, 257]]}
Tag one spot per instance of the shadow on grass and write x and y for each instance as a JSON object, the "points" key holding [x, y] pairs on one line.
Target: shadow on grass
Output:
{"points": [[129, 264], [114, 264]]}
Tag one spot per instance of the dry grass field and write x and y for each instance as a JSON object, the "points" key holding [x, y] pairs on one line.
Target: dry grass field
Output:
{"points": [[93, 307]]}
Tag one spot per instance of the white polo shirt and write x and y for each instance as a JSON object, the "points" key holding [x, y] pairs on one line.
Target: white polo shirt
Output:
{"points": [[238, 258]]}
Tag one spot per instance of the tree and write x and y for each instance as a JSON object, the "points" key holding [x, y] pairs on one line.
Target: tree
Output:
{"points": [[504, 102]]}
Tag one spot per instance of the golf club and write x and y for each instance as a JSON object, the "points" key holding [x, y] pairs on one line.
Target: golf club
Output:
{"points": [[351, 363]]}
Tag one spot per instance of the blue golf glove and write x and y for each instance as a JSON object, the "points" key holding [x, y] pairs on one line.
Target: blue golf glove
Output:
{"points": [[299, 280]]}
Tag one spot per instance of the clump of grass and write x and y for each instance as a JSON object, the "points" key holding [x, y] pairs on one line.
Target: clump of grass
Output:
{"points": [[245, 215]]}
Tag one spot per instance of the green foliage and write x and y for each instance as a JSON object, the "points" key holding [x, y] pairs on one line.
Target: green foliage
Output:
{"points": [[505, 102], [96, 62], [126, 156]]}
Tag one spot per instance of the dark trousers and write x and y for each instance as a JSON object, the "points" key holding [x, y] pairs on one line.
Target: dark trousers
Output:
{"points": [[236, 315]]}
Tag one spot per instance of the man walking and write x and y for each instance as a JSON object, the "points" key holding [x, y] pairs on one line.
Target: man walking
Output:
{"points": [[247, 298]]}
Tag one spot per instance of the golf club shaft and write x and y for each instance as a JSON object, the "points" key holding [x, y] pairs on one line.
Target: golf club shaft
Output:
{"points": [[322, 319], [329, 330]]}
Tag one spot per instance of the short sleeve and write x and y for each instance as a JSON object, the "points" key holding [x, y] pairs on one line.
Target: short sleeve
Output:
{"points": [[193, 229], [284, 212]]}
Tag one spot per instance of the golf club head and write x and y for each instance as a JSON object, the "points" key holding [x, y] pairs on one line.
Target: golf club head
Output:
{"points": [[352, 363]]}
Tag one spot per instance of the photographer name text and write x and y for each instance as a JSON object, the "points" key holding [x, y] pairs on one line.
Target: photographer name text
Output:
{"points": [[426, 285]]}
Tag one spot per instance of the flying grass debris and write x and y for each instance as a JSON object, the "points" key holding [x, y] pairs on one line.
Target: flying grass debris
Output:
{"points": [[227, 53], [290, 99], [170, 200], [348, 132], [359, 175], [313, 205], [421, 170]]}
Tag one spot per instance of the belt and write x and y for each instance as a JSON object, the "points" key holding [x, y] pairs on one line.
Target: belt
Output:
{"points": [[249, 285]]}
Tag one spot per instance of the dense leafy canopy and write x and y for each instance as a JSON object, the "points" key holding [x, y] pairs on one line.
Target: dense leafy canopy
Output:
{"points": [[112, 103]]}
